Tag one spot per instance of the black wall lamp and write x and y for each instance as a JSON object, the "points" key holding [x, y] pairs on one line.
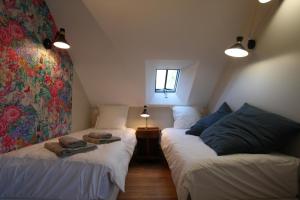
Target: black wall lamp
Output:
{"points": [[237, 50], [59, 41]]}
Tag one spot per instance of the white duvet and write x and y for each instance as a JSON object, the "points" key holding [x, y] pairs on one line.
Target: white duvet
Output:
{"points": [[35, 173], [197, 171]]}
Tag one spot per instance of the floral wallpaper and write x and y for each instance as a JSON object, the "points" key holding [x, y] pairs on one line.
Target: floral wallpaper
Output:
{"points": [[35, 83]]}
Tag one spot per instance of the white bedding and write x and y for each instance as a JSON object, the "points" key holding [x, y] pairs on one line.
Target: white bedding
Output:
{"points": [[36, 173], [197, 171]]}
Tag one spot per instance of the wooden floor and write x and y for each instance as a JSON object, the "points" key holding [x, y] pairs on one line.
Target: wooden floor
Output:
{"points": [[149, 181]]}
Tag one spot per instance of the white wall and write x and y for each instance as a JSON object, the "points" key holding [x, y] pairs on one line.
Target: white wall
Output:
{"points": [[270, 77], [188, 70], [111, 40], [80, 106]]}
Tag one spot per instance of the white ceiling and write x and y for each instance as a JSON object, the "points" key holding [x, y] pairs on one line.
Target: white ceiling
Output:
{"points": [[112, 39]]}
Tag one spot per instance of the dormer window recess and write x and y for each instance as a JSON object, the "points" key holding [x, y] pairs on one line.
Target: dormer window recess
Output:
{"points": [[166, 80]]}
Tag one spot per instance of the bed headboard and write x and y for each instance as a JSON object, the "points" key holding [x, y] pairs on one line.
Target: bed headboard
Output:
{"points": [[159, 116]]}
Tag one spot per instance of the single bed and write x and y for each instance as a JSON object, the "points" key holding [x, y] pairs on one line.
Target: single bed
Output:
{"points": [[198, 173], [35, 173]]}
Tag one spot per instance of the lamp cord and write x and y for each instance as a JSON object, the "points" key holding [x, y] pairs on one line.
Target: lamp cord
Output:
{"points": [[255, 24], [252, 23]]}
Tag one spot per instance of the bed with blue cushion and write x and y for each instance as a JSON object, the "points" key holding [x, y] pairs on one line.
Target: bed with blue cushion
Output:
{"points": [[237, 157]]}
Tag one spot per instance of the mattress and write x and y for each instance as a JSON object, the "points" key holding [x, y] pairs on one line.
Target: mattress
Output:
{"points": [[198, 172], [35, 173]]}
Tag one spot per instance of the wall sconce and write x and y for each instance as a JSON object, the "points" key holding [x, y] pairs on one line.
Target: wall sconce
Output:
{"points": [[145, 114], [237, 50], [59, 41]]}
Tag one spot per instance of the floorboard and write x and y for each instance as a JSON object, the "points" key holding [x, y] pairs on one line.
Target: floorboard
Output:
{"points": [[149, 181]]}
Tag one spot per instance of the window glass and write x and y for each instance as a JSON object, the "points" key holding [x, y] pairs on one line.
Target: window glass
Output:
{"points": [[166, 80], [171, 79], [160, 79]]}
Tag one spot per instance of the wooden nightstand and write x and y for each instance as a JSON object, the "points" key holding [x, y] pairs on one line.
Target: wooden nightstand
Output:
{"points": [[148, 144]]}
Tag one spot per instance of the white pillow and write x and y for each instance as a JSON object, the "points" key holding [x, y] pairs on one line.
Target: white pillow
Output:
{"points": [[112, 117], [185, 116]]}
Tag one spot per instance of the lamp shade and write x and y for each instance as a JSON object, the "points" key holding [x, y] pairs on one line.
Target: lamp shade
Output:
{"points": [[264, 1], [145, 113], [60, 40], [237, 50]]}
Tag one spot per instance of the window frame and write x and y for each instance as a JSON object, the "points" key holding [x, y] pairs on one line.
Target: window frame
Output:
{"points": [[165, 90]]}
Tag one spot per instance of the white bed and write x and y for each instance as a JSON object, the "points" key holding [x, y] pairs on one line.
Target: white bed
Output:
{"points": [[199, 173], [35, 173]]}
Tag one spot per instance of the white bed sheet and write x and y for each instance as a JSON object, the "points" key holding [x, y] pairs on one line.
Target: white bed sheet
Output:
{"points": [[198, 171], [35, 173]]}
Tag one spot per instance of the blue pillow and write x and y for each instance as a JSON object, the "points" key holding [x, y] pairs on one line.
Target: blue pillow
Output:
{"points": [[207, 121], [249, 130]]}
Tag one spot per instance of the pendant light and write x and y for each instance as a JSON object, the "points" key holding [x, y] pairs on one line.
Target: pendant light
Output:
{"points": [[237, 50]]}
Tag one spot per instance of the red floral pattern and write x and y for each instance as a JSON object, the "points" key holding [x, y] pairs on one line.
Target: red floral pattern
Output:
{"points": [[8, 142], [9, 3], [35, 83], [59, 84], [15, 30], [3, 126], [5, 37], [11, 114]]}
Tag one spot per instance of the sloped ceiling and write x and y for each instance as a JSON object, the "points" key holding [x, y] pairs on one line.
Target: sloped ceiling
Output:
{"points": [[112, 39]]}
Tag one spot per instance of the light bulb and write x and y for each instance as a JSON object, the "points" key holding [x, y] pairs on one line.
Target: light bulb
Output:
{"points": [[61, 45], [145, 115], [236, 52], [264, 1]]}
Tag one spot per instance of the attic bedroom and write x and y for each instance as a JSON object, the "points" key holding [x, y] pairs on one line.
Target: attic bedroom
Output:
{"points": [[149, 99]]}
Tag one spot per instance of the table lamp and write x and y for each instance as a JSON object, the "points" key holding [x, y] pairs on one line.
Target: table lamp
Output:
{"points": [[145, 114]]}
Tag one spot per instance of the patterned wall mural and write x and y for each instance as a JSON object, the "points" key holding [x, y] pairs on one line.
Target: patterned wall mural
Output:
{"points": [[35, 83]]}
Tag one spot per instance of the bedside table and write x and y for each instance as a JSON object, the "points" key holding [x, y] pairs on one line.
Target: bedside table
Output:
{"points": [[148, 144]]}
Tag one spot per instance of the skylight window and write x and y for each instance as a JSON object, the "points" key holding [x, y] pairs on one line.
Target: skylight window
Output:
{"points": [[166, 80]]}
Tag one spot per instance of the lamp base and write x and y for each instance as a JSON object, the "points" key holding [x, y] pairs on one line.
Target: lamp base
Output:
{"points": [[47, 43], [251, 44]]}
